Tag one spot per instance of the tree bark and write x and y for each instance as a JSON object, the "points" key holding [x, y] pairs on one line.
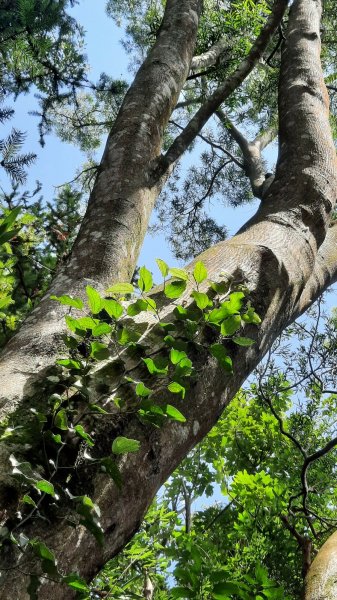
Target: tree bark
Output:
{"points": [[321, 580], [285, 255]]}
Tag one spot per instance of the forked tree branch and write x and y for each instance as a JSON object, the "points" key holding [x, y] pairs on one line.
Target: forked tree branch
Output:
{"points": [[253, 164], [215, 100]]}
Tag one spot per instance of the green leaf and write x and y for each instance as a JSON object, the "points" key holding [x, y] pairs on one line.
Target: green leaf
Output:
{"points": [[121, 288], [86, 503], [61, 420], [113, 308], [176, 343], [139, 306], [99, 351], [235, 301], [8, 235], [142, 390], [200, 272], [220, 288], [75, 582], [101, 329], [230, 325], [176, 388], [70, 342], [98, 409], [201, 300], [122, 445], [42, 551], [250, 316], [89, 510], [68, 363], [163, 267], [5, 302], [109, 466], [45, 486], [243, 341], [181, 592], [176, 356], [174, 414], [228, 308], [72, 324], [125, 336], [157, 366], [179, 273], [95, 528], [94, 300], [183, 369], [151, 304], [221, 354], [174, 289], [84, 435], [28, 500], [145, 281], [180, 312], [82, 324], [222, 591], [69, 301], [10, 218]]}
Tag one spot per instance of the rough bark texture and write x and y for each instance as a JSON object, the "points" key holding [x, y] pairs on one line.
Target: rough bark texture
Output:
{"points": [[321, 581], [285, 254]]}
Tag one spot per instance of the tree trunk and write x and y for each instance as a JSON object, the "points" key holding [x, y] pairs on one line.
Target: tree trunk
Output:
{"points": [[321, 580], [285, 255]]}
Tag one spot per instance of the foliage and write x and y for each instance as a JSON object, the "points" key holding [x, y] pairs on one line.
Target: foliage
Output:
{"points": [[13, 163], [249, 544], [41, 238], [91, 117], [41, 45]]}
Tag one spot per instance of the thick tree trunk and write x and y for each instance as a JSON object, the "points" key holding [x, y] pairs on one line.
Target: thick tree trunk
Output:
{"points": [[321, 580], [285, 255]]}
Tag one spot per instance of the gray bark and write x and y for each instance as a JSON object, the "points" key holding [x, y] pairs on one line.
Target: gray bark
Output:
{"points": [[209, 58], [285, 254], [253, 164]]}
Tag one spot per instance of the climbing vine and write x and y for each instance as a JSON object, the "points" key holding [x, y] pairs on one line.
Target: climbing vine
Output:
{"points": [[104, 328]]}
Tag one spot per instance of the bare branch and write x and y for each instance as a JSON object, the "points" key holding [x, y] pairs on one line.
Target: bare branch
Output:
{"points": [[266, 137], [253, 163], [214, 145], [190, 102], [211, 56]]}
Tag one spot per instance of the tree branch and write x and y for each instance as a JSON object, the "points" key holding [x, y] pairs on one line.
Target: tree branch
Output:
{"points": [[211, 56], [214, 145], [223, 91], [253, 164]]}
